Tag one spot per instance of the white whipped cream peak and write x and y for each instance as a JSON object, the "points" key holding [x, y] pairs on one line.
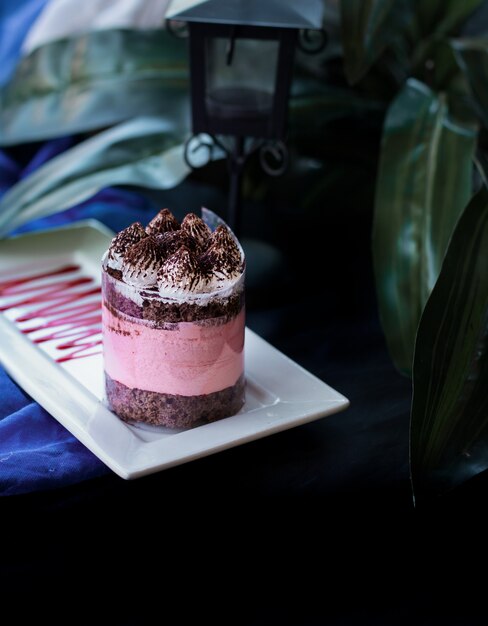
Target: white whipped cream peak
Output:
{"points": [[122, 242], [163, 222], [222, 256], [142, 263], [196, 228]]}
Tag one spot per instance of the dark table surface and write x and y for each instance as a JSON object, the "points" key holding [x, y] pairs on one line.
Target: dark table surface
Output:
{"points": [[315, 525]]}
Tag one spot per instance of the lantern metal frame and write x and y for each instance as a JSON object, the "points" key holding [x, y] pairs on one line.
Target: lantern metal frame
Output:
{"points": [[275, 124], [239, 137]]}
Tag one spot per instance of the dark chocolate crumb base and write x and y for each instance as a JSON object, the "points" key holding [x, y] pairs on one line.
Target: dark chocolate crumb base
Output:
{"points": [[173, 411], [115, 301], [164, 312]]}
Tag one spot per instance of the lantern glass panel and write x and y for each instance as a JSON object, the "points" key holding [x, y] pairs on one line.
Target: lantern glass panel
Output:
{"points": [[241, 77]]}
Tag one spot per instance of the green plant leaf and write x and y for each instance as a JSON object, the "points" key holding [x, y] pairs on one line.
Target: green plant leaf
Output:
{"points": [[442, 67], [441, 71], [142, 152], [443, 17], [436, 20], [423, 184], [95, 80], [449, 424], [472, 56], [367, 28]]}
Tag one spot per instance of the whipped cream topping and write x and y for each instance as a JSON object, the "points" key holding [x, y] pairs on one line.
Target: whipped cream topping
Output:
{"points": [[170, 242], [122, 242], [197, 229], [178, 263], [181, 272], [221, 262], [163, 222], [142, 262]]}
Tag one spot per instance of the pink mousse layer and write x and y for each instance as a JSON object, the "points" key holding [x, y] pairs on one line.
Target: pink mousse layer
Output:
{"points": [[188, 360]]}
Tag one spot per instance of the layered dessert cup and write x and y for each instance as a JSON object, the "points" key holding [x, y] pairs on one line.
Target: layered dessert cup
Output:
{"points": [[173, 321]]}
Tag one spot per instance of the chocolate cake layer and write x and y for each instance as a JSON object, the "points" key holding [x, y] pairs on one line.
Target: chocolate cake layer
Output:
{"points": [[173, 411], [158, 311]]}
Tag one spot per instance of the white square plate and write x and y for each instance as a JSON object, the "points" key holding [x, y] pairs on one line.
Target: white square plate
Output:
{"points": [[280, 394]]}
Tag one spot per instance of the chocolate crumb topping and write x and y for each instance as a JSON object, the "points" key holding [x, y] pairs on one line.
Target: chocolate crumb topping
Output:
{"points": [[180, 271], [163, 222], [170, 242], [197, 228], [222, 256], [125, 239]]}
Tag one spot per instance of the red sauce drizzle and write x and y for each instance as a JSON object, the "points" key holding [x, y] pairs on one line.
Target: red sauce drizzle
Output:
{"points": [[80, 324]]}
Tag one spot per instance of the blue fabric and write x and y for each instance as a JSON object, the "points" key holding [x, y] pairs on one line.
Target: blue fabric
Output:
{"points": [[36, 452], [9, 172], [16, 18]]}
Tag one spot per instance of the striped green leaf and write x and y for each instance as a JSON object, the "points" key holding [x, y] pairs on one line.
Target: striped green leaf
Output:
{"points": [[368, 27], [142, 152], [449, 425], [472, 56], [95, 80], [444, 17], [423, 184]]}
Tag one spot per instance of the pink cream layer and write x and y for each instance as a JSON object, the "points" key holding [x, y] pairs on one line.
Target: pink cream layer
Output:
{"points": [[188, 360]]}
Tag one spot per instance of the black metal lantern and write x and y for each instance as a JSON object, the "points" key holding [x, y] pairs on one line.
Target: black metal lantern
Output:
{"points": [[241, 61]]}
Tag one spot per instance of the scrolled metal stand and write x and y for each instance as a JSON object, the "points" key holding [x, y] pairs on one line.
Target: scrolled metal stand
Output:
{"points": [[312, 41], [202, 148]]}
